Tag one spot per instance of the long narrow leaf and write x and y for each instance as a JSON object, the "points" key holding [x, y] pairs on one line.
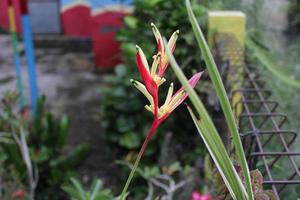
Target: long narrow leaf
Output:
{"points": [[72, 192], [262, 56], [210, 145], [211, 137], [96, 186], [224, 101], [79, 188]]}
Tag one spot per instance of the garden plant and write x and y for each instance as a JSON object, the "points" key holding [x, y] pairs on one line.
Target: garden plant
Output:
{"points": [[175, 150], [206, 128]]}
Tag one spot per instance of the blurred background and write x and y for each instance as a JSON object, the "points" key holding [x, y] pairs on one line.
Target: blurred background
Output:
{"points": [[91, 121]]}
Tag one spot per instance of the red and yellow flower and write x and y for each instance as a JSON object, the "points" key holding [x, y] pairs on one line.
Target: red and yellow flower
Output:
{"points": [[152, 79]]}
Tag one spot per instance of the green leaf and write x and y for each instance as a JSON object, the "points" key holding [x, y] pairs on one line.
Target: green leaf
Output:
{"points": [[43, 154], [174, 167], [262, 56], [64, 127], [79, 188], [149, 172], [96, 186], [72, 159], [208, 168], [222, 95], [219, 154], [124, 124], [210, 136], [129, 48], [131, 21], [72, 192], [130, 140]]}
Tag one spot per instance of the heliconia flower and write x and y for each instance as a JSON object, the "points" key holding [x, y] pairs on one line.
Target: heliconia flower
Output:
{"points": [[164, 60], [144, 70], [173, 101], [145, 92], [152, 79]]}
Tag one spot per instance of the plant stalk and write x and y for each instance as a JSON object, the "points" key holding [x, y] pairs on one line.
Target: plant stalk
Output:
{"points": [[137, 161]]}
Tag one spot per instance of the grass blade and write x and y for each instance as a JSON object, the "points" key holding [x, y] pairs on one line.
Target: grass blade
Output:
{"points": [[96, 186], [211, 137], [262, 56], [79, 188], [222, 95], [220, 158]]}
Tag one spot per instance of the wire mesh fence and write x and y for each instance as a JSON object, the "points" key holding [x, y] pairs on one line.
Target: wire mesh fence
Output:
{"points": [[266, 141]]}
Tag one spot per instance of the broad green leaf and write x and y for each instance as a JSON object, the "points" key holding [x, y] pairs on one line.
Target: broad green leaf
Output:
{"points": [[130, 140], [131, 21]]}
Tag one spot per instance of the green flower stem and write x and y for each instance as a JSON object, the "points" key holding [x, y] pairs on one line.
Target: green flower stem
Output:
{"points": [[137, 161]]}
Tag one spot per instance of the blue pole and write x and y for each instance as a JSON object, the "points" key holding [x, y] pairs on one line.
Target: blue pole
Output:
{"points": [[29, 53]]}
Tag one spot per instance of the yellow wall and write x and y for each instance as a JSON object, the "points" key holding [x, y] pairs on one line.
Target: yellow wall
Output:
{"points": [[227, 22]]}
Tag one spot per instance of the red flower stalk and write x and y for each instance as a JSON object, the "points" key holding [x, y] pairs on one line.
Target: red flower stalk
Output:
{"points": [[152, 79]]}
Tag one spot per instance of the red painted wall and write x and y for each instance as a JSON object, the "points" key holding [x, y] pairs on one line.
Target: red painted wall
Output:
{"points": [[4, 15], [79, 22], [76, 21], [106, 48]]}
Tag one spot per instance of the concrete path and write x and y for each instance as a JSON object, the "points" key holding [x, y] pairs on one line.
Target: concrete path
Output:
{"points": [[72, 87]]}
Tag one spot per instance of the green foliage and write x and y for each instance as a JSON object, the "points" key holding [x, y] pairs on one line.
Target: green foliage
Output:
{"points": [[206, 127], [211, 138], [165, 177], [294, 16], [172, 16], [76, 191], [46, 138], [224, 102], [10, 183], [123, 119], [267, 62], [257, 185]]}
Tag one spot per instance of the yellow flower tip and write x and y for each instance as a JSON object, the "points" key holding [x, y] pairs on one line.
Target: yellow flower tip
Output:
{"points": [[156, 56], [177, 32], [153, 26], [149, 108], [155, 30], [160, 81], [132, 81], [137, 47]]}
